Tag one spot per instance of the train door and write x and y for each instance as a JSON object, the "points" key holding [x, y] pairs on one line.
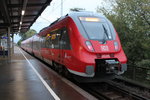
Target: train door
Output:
{"points": [[61, 47], [47, 48], [42, 46], [32, 45], [64, 46]]}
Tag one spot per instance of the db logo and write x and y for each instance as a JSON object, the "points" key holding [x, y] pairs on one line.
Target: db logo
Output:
{"points": [[104, 48]]}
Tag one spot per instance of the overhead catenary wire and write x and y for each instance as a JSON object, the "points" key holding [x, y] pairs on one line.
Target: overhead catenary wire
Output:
{"points": [[45, 19], [54, 10]]}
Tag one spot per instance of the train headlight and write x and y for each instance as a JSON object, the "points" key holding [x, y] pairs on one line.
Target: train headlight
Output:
{"points": [[116, 46], [89, 45]]}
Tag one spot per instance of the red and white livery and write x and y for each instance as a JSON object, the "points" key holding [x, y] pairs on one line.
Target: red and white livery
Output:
{"points": [[83, 43]]}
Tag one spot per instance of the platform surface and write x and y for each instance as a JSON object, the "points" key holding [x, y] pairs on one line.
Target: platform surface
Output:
{"points": [[26, 78]]}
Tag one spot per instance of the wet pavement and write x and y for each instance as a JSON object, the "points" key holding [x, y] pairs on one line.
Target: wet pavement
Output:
{"points": [[19, 81]]}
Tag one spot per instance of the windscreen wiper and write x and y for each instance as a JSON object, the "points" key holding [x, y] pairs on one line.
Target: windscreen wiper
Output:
{"points": [[104, 36], [105, 31]]}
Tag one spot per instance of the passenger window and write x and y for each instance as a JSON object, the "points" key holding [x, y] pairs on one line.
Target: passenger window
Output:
{"points": [[43, 42], [58, 40], [55, 39], [47, 42]]}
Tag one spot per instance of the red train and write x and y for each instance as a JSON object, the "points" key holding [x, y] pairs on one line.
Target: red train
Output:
{"points": [[82, 43]]}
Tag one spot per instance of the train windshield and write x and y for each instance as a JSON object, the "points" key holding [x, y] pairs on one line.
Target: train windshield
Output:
{"points": [[96, 28]]}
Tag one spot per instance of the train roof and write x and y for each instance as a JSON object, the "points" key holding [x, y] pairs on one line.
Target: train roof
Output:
{"points": [[84, 13], [77, 14]]}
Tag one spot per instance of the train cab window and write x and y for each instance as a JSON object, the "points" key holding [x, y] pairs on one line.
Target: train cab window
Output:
{"points": [[97, 28], [65, 41]]}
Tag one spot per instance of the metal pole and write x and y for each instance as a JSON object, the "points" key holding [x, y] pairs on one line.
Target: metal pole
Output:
{"points": [[12, 43], [61, 9], [0, 41], [8, 44]]}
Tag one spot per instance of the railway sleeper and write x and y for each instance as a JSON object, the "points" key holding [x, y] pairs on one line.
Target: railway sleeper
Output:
{"points": [[113, 96]]}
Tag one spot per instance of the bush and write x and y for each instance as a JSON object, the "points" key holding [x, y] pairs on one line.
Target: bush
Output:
{"points": [[144, 63]]}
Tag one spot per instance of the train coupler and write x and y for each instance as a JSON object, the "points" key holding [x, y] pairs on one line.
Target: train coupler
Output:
{"points": [[107, 66]]}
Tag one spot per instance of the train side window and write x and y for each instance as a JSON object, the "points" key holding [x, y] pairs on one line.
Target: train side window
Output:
{"points": [[65, 40], [43, 42], [55, 39], [47, 41]]}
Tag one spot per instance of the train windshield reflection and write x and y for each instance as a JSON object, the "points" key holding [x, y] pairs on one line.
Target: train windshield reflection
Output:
{"points": [[96, 29]]}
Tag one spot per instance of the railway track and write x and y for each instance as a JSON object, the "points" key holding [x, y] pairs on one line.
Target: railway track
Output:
{"points": [[110, 90], [133, 84], [117, 89]]}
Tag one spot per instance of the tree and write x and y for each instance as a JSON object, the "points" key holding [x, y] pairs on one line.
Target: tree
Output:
{"points": [[26, 35], [131, 19]]}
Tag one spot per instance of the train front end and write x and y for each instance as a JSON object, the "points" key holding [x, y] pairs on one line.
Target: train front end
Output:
{"points": [[103, 54]]}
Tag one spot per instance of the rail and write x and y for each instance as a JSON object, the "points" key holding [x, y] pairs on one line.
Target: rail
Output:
{"points": [[112, 90]]}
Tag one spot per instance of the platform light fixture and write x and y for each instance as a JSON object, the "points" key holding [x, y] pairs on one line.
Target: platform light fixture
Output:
{"points": [[23, 12], [20, 23]]}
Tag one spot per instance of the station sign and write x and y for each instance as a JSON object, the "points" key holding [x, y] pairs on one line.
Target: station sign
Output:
{"points": [[4, 37]]}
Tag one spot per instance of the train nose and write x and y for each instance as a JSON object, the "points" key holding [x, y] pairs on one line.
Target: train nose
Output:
{"points": [[107, 47]]}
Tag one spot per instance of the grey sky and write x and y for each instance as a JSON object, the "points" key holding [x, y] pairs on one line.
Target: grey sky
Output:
{"points": [[52, 12]]}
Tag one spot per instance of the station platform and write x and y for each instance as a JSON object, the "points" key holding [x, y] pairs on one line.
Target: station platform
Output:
{"points": [[26, 78]]}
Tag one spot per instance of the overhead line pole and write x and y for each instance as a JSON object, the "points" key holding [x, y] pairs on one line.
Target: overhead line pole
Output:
{"points": [[8, 45], [61, 7]]}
